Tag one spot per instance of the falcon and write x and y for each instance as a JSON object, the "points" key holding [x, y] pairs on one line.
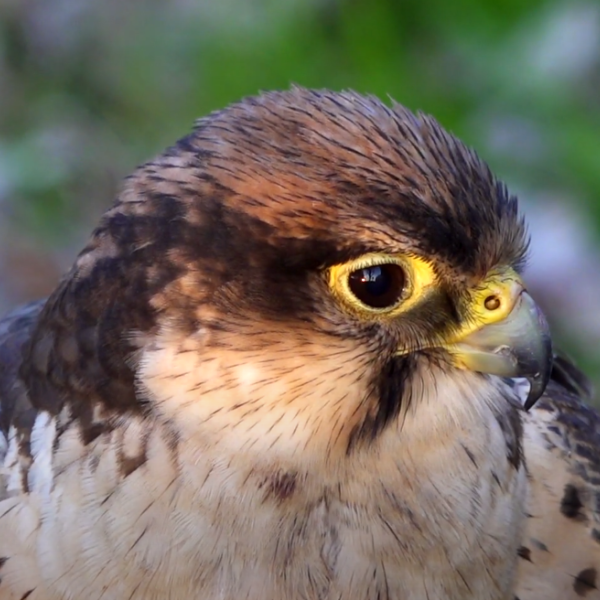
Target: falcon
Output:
{"points": [[297, 360]]}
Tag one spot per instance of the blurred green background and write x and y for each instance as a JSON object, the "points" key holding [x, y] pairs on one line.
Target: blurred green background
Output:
{"points": [[89, 89]]}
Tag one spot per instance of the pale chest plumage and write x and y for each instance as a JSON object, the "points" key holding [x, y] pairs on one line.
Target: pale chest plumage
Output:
{"points": [[414, 517]]}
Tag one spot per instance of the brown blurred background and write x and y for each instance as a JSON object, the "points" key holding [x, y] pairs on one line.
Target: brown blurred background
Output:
{"points": [[89, 89]]}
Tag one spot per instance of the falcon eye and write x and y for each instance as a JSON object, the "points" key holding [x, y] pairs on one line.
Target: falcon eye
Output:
{"points": [[378, 286]]}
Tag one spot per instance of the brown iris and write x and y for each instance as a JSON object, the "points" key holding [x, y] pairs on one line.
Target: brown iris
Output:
{"points": [[378, 286]]}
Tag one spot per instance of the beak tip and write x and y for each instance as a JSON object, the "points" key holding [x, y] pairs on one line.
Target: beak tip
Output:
{"points": [[539, 381], [535, 392]]}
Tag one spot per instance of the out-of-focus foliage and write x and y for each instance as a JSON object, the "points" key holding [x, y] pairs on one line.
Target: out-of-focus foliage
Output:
{"points": [[88, 89]]}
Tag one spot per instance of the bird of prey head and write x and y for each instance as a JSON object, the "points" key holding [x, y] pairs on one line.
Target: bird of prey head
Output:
{"points": [[306, 263]]}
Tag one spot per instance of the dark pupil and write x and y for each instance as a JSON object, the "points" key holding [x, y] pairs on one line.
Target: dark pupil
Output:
{"points": [[379, 286]]}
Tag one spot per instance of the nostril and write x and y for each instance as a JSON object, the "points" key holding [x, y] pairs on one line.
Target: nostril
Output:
{"points": [[492, 302]]}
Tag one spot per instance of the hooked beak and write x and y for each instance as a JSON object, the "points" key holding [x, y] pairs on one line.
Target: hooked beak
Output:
{"points": [[515, 343], [518, 346]]}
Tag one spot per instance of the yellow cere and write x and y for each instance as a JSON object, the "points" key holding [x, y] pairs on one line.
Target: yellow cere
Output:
{"points": [[490, 302], [420, 279]]}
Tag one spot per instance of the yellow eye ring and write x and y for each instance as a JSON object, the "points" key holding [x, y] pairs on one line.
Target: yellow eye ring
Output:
{"points": [[377, 284]]}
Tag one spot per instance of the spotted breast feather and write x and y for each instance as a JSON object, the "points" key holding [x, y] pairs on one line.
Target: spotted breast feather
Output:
{"points": [[560, 552]]}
